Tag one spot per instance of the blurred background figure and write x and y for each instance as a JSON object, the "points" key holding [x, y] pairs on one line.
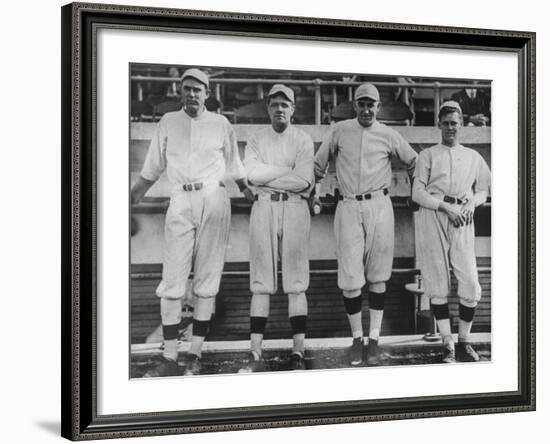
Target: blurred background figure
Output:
{"points": [[475, 105], [212, 104], [173, 89]]}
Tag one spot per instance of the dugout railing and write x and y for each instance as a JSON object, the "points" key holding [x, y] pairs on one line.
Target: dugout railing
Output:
{"points": [[321, 88]]}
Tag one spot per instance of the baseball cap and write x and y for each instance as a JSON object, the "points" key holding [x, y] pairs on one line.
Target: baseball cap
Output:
{"points": [[282, 89], [452, 105], [367, 90], [196, 74]]}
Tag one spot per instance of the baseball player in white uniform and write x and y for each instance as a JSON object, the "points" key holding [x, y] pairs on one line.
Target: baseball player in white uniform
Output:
{"points": [[450, 182], [279, 165], [198, 150], [364, 220]]}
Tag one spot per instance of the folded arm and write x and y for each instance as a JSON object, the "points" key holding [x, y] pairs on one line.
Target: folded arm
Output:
{"points": [[301, 176], [258, 172]]}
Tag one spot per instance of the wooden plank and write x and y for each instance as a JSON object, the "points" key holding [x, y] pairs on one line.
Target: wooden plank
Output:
{"points": [[326, 312]]}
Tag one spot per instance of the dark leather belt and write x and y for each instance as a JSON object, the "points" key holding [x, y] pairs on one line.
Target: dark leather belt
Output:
{"points": [[365, 196], [196, 186], [276, 197], [453, 200]]}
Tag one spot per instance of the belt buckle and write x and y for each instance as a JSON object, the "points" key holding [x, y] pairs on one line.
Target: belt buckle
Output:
{"points": [[275, 197], [368, 196], [284, 196], [451, 200], [358, 197], [198, 186]]}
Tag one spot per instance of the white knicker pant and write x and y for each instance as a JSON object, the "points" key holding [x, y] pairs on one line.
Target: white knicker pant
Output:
{"points": [[279, 230], [196, 234], [364, 233], [441, 246]]}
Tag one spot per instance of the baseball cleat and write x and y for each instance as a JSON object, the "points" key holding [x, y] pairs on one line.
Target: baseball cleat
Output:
{"points": [[297, 362], [254, 364], [449, 354], [192, 365], [466, 353], [166, 367], [373, 352], [355, 352]]}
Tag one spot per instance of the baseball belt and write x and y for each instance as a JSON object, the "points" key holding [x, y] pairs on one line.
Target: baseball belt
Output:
{"points": [[453, 200], [366, 196], [276, 197], [197, 186]]}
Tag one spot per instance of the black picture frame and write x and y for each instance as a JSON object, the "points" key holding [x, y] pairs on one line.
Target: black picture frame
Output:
{"points": [[80, 420]]}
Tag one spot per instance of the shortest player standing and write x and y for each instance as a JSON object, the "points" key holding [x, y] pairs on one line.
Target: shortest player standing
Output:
{"points": [[450, 182], [279, 164]]}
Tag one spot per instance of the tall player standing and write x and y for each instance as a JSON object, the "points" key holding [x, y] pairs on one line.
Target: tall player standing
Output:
{"points": [[198, 150], [364, 221]]}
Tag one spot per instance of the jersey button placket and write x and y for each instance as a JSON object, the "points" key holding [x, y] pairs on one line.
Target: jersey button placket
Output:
{"points": [[187, 156], [362, 167], [451, 164]]}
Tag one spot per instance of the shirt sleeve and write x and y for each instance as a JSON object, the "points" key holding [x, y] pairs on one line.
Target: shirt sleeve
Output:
{"points": [[301, 176], [421, 180], [325, 152], [404, 152], [233, 163], [155, 161], [483, 176]]}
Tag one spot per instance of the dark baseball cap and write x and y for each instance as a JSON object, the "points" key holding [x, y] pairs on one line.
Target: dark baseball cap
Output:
{"points": [[282, 89], [196, 74]]}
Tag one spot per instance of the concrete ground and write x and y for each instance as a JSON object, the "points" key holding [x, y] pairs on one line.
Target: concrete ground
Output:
{"points": [[222, 357]]}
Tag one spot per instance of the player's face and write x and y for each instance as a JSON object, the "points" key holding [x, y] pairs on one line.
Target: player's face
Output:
{"points": [[280, 111], [366, 110], [449, 124], [193, 95]]}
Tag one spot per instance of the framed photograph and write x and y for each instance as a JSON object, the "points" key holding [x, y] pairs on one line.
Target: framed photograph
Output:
{"points": [[214, 166]]}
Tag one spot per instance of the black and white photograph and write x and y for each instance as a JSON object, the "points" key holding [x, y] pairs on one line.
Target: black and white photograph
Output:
{"points": [[275, 221], [286, 220]]}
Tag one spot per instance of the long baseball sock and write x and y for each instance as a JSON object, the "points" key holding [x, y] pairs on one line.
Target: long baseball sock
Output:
{"points": [[170, 312], [297, 313], [353, 305], [376, 313], [466, 317], [441, 314], [259, 312], [201, 323]]}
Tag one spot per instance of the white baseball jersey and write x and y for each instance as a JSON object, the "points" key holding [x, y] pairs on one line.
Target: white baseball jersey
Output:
{"points": [[364, 229], [279, 163], [202, 150], [457, 172]]}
